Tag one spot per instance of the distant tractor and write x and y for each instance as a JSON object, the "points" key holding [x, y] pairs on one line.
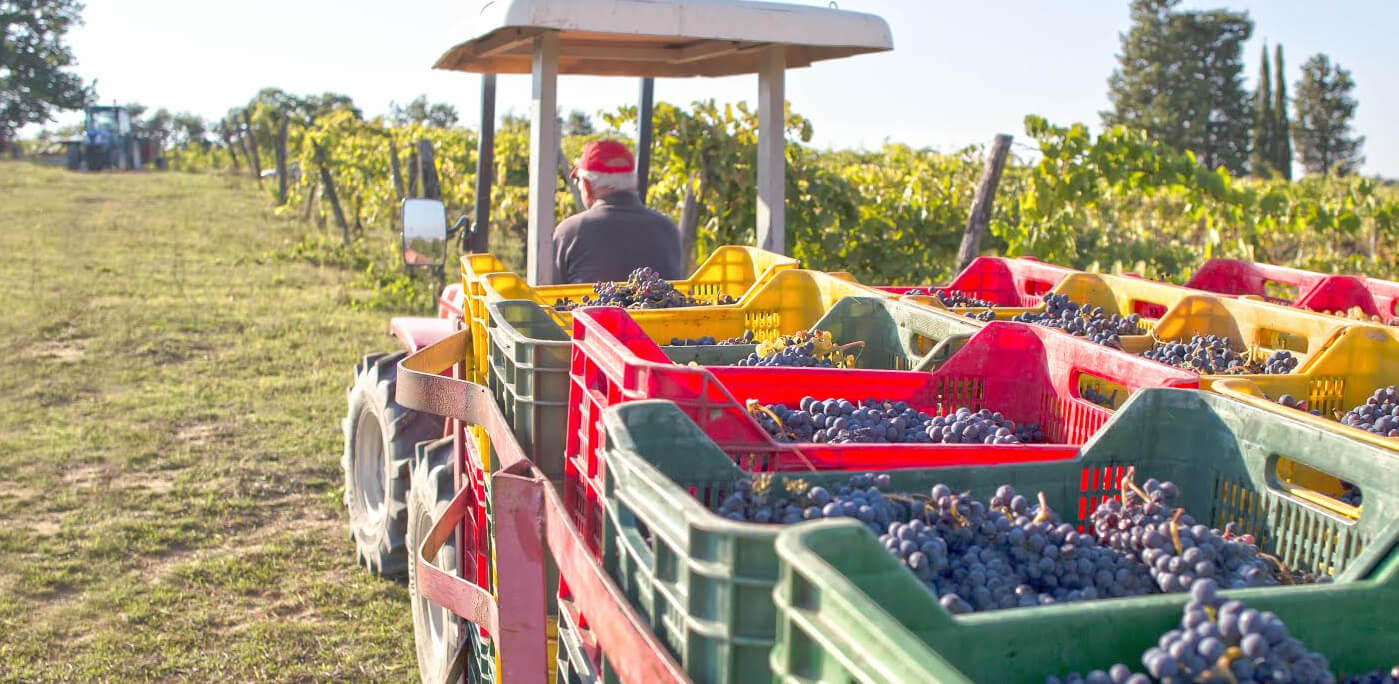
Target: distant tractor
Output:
{"points": [[108, 142]]}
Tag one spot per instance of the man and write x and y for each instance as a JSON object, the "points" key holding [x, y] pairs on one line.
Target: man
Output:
{"points": [[615, 235]]}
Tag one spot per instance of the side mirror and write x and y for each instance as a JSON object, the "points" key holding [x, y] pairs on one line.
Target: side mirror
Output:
{"points": [[424, 232]]}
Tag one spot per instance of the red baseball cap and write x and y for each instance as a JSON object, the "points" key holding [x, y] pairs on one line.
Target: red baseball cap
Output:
{"points": [[605, 156]]}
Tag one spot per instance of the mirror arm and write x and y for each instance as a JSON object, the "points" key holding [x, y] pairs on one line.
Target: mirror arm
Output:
{"points": [[461, 223]]}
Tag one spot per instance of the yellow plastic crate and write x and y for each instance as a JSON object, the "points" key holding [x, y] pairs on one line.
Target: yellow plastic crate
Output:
{"points": [[1253, 325], [731, 270], [1341, 376]]}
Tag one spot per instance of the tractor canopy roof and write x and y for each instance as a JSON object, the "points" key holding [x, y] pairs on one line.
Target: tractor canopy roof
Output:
{"points": [[661, 38]]}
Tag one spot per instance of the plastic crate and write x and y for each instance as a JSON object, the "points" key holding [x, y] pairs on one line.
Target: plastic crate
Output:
{"points": [[528, 360], [896, 335], [1016, 282], [531, 536], [730, 270], [474, 268], [1121, 295], [1278, 284], [1385, 294], [1341, 377], [703, 582], [1321, 292], [1028, 373], [850, 612], [1248, 324]]}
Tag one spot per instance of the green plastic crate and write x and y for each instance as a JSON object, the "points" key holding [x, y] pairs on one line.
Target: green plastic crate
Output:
{"points": [[850, 612], [897, 336], [704, 582], [528, 357], [528, 361]]}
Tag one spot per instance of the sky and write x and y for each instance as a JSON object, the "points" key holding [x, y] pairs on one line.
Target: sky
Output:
{"points": [[960, 71]]}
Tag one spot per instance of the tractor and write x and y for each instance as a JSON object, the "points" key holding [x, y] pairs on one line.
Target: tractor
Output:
{"points": [[109, 142], [400, 465]]}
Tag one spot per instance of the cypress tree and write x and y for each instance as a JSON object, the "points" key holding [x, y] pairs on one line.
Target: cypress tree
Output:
{"points": [[1264, 155], [1282, 129]]}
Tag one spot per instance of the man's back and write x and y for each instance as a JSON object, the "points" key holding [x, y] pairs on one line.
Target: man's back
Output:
{"points": [[613, 238]]}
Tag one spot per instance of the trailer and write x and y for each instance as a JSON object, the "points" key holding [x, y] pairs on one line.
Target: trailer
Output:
{"points": [[405, 448]]}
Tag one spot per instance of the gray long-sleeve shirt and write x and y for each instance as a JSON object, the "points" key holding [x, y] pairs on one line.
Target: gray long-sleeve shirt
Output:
{"points": [[613, 238]]}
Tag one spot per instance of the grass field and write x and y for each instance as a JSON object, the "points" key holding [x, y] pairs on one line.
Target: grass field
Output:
{"points": [[170, 406]]}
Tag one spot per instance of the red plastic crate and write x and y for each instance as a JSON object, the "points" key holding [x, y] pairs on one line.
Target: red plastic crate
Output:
{"points": [[1003, 281], [1323, 292], [1028, 373], [1385, 295], [1237, 277], [1338, 294]]}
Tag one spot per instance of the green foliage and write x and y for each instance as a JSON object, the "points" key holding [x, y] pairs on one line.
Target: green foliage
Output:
{"points": [[1180, 78], [1124, 201], [1325, 107], [34, 80], [1117, 200]]}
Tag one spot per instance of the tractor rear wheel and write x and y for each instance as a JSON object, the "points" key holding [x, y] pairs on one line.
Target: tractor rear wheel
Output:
{"points": [[380, 438], [436, 630], [96, 158]]}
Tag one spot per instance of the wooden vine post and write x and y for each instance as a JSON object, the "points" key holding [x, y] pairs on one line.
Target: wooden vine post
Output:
{"points": [[395, 170], [979, 220], [232, 149], [282, 159], [427, 171], [328, 189], [252, 146]]}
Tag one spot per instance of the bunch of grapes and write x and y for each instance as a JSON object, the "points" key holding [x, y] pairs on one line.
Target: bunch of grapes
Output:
{"points": [[1145, 525], [1350, 494], [1356, 313], [1379, 414], [805, 348], [957, 298], [1083, 321], [1213, 355], [1390, 676], [1012, 553], [1219, 640], [777, 499], [1300, 404], [985, 316], [709, 340], [644, 288], [841, 421], [1104, 400]]}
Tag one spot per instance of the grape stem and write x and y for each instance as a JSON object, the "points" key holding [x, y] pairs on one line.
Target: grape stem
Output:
{"points": [[1044, 513], [1175, 530], [754, 406], [1129, 484], [1284, 575], [1221, 669]]}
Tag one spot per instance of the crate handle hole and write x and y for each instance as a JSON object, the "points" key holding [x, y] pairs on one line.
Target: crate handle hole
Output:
{"points": [[1099, 390], [1280, 291], [1318, 487]]}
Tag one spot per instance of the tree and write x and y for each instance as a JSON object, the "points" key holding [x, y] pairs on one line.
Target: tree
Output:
{"points": [[189, 129], [1262, 160], [33, 59], [578, 123], [1180, 78], [160, 123], [1282, 129], [1325, 108], [420, 111]]}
